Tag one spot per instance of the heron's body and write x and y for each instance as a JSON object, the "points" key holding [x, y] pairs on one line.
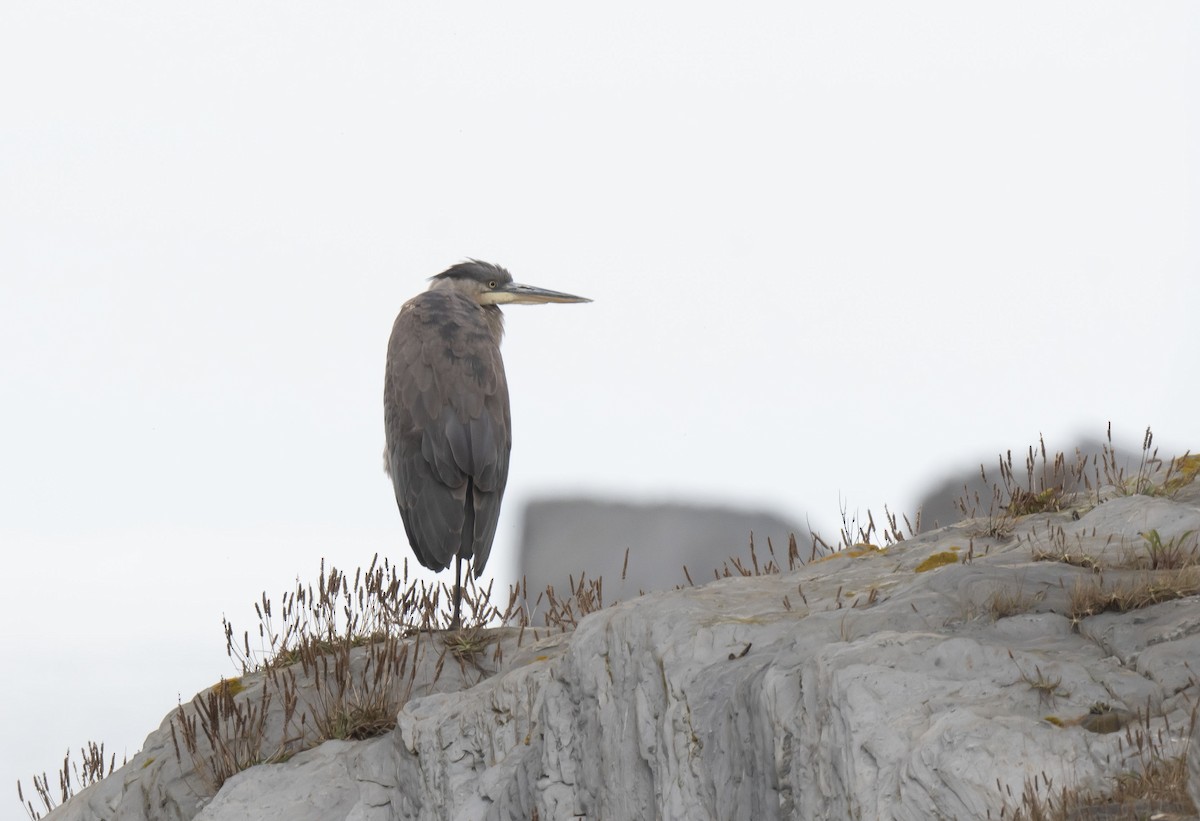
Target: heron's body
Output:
{"points": [[448, 427], [446, 413]]}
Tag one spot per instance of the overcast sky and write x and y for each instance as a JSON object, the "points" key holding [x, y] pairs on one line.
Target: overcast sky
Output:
{"points": [[835, 251]]}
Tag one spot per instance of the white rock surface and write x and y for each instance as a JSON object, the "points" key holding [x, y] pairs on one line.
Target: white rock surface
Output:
{"points": [[725, 702]]}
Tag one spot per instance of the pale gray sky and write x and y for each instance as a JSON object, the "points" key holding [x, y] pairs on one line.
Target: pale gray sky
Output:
{"points": [[835, 250]]}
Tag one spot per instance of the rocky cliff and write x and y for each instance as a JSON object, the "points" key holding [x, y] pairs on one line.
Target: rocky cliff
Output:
{"points": [[959, 674]]}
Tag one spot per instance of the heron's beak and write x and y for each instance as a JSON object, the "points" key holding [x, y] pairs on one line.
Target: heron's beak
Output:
{"points": [[514, 293]]}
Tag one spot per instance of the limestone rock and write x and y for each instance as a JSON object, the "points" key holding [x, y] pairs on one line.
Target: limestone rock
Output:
{"points": [[873, 684]]}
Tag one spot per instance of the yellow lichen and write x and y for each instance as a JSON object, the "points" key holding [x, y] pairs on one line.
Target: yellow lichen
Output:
{"points": [[1183, 472], [229, 686], [852, 552], [935, 560], [1055, 720], [740, 620]]}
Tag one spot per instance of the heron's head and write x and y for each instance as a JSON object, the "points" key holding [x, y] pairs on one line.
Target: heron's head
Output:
{"points": [[490, 284]]}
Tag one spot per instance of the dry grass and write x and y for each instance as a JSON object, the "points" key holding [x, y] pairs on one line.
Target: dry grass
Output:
{"points": [[1093, 595], [1004, 603], [357, 697], [1178, 473], [855, 533], [72, 778], [1061, 549], [224, 734], [1050, 484], [1114, 474], [1080, 559], [1155, 788], [1176, 553], [771, 565], [564, 612], [1047, 487], [1047, 687], [1047, 480], [1162, 570], [466, 645], [356, 641]]}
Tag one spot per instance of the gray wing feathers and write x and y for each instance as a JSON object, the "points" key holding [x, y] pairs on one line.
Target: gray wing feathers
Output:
{"points": [[446, 418]]}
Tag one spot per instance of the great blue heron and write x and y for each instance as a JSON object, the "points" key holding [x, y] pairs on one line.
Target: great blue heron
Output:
{"points": [[446, 414]]}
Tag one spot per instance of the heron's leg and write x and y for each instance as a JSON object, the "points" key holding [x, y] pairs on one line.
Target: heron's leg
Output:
{"points": [[456, 623]]}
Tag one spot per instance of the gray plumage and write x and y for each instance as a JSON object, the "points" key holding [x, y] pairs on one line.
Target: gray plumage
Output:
{"points": [[446, 413]]}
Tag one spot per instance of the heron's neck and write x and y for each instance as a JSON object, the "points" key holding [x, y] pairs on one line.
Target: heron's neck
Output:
{"points": [[495, 321]]}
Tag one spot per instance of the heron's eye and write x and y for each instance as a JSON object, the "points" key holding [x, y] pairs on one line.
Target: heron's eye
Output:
{"points": [[492, 284]]}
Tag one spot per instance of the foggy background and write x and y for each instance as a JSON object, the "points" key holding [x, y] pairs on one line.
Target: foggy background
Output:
{"points": [[836, 253]]}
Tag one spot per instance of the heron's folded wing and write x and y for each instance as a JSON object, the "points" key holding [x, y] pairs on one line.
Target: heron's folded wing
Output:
{"points": [[448, 427]]}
